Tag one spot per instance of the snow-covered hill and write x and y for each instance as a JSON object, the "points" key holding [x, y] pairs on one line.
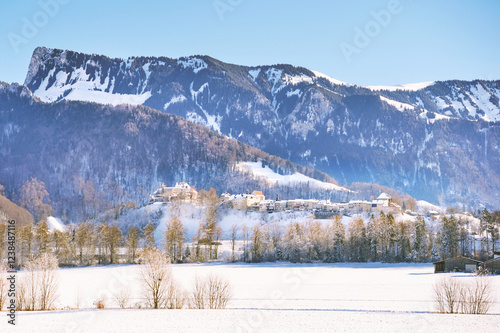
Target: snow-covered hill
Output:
{"points": [[264, 172]]}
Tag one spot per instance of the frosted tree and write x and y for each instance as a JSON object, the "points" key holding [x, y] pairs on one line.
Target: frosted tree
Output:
{"points": [[419, 240], [102, 231], [357, 242], [3, 285], [448, 236], [132, 242], [296, 244], [35, 198], [61, 243], [85, 242], [335, 238], [114, 238], [233, 234], [149, 236], [42, 236], [257, 248], [3, 238], [315, 234], [26, 242], [40, 282], [174, 239], [211, 202], [155, 277], [402, 238]]}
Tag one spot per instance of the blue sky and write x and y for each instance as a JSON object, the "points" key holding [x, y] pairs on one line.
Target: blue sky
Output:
{"points": [[421, 40]]}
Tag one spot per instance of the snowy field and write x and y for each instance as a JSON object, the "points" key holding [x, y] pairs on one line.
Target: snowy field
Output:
{"points": [[274, 297]]}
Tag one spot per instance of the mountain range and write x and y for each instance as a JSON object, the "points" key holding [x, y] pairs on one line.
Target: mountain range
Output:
{"points": [[92, 157], [438, 141]]}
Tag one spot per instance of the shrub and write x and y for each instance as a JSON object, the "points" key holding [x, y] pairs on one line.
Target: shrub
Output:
{"points": [[100, 304], [122, 296], [453, 296], [211, 292]]}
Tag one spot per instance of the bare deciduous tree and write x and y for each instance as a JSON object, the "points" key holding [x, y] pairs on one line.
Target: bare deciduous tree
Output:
{"points": [[122, 296], [174, 237], [149, 236], [4, 284], [156, 276], [35, 198], [47, 270], [469, 297], [234, 234], [447, 294], [41, 282], [132, 242], [176, 296]]}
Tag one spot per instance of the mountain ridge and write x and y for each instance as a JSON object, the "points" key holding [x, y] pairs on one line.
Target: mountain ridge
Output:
{"points": [[91, 156], [401, 138]]}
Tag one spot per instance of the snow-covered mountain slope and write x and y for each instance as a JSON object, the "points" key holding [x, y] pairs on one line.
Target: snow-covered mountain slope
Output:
{"points": [[264, 172], [406, 86], [92, 156], [437, 141]]}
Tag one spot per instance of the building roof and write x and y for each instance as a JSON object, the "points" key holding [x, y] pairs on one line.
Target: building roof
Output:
{"points": [[257, 193], [455, 258], [383, 196], [491, 260]]}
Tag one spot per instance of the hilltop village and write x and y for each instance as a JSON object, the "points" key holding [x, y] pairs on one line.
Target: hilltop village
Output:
{"points": [[256, 201]]}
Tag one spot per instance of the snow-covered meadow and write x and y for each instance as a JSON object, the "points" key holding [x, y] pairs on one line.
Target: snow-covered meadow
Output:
{"points": [[266, 297]]}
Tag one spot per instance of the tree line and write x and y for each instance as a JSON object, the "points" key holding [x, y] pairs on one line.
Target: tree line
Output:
{"points": [[379, 237]]}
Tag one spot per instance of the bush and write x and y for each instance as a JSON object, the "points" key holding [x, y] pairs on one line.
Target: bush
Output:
{"points": [[3, 285], [453, 296], [176, 296], [122, 296], [100, 304], [211, 292]]}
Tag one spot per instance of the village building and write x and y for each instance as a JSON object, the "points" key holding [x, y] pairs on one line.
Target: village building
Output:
{"points": [[457, 264], [492, 265], [383, 200], [244, 201], [181, 191]]}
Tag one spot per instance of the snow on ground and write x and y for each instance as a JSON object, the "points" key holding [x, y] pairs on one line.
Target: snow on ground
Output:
{"points": [[329, 78], [84, 89], [406, 86], [191, 215], [257, 170], [235, 321], [424, 206], [173, 100], [398, 105], [483, 100], [268, 297], [253, 73], [194, 63], [55, 223]]}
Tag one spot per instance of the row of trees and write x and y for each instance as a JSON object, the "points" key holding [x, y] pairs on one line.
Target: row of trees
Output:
{"points": [[377, 238]]}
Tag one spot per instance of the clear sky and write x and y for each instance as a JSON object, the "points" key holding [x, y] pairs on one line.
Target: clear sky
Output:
{"points": [[420, 40]]}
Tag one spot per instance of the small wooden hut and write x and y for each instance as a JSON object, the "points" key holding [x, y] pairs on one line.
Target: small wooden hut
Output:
{"points": [[492, 265], [457, 264]]}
